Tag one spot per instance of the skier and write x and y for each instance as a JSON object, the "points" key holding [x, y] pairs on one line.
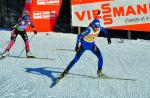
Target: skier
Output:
{"points": [[20, 28], [86, 41]]}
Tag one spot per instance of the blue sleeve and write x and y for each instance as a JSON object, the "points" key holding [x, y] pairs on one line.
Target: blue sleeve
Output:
{"points": [[82, 34], [104, 32]]}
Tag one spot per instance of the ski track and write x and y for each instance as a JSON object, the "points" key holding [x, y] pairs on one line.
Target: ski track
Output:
{"points": [[31, 78]]}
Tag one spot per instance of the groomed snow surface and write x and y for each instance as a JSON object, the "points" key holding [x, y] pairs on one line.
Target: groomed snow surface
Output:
{"points": [[128, 63]]}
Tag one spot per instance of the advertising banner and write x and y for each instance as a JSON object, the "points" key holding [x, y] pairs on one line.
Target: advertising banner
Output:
{"points": [[115, 14], [43, 13]]}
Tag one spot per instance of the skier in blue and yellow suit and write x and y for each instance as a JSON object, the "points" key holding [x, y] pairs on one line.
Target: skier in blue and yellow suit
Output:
{"points": [[86, 41]]}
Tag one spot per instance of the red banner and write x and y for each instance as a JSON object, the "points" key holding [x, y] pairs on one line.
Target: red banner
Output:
{"points": [[43, 13]]}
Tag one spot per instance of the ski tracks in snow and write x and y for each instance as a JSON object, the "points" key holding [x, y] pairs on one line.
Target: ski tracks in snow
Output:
{"points": [[123, 60]]}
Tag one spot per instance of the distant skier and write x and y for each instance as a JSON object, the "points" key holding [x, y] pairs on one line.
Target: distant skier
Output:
{"points": [[20, 28], [86, 41]]}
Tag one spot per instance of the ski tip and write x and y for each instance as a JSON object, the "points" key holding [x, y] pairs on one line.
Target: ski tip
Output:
{"points": [[2, 57]]}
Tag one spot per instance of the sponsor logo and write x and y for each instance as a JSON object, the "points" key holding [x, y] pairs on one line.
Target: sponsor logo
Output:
{"points": [[47, 2], [44, 14], [93, 35], [108, 13], [52, 1]]}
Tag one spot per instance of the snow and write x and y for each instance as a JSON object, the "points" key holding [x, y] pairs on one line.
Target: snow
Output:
{"points": [[32, 78]]}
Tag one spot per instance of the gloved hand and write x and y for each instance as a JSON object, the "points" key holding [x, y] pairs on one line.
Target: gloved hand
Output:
{"points": [[109, 40], [77, 48], [13, 27], [35, 32]]}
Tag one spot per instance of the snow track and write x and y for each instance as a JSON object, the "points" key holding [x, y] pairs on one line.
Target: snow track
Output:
{"points": [[32, 78]]}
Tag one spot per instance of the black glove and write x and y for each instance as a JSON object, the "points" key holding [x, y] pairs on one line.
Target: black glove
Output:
{"points": [[13, 28], [35, 32], [109, 40], [77, 48]]}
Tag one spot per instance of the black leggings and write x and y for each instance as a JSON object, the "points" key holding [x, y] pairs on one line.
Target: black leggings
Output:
{"points": [[22, 33], [13, 39]]}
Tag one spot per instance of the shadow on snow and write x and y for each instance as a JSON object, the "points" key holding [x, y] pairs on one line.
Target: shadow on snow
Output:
{"points": [[49, 73]]}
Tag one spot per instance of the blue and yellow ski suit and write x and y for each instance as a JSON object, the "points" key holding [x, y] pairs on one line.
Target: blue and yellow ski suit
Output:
{"points": [[87, 41]]}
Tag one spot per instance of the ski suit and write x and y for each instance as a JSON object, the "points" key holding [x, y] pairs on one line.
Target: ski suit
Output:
{"points": [[20, 28], [87, 42]]}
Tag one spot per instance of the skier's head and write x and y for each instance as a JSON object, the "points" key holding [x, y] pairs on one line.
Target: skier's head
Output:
{"points": [[95, 24], [26, 18]]}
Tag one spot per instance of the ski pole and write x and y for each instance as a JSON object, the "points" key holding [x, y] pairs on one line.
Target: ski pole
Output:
{"points": [[25, 47]]}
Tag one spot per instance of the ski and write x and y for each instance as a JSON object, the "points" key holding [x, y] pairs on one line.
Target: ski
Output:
{"points": [[61, 76], [31, 57], [56, 81], [103, 77], [2, 57], [64, 49], [111, 78]]}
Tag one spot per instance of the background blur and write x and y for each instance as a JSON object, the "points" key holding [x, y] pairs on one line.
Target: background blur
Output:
{"points": [[11, 10]]}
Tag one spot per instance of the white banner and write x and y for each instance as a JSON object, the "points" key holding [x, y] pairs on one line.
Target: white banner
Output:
{"points": [[113, 13]]}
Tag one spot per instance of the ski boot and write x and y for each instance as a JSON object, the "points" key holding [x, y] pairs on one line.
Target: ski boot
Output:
{"points": [[6, 53], [100, 73], [62, 75], [29, 55]]}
